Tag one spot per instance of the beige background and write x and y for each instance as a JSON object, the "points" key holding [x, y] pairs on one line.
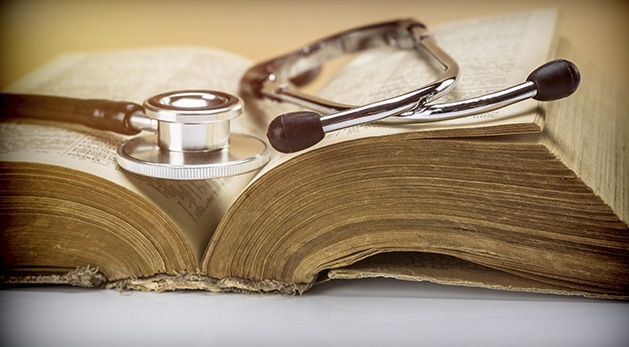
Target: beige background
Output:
{"points": [[35, 31]]}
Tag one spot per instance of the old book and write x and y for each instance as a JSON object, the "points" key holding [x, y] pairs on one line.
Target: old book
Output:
{"points": [[533, 197]]}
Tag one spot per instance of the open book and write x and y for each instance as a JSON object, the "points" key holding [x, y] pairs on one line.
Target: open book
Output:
{"points": [[533, 197]]}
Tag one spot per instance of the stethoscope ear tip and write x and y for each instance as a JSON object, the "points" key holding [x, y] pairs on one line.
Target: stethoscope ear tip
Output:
{"points": [[295, 131], [555, 80]]}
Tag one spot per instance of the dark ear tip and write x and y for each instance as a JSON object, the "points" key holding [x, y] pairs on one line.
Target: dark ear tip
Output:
{"points": [[295, 131], [275, 134], [555, 80]]}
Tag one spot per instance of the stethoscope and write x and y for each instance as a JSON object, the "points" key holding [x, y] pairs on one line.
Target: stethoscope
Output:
{"points": [[192, 137]]}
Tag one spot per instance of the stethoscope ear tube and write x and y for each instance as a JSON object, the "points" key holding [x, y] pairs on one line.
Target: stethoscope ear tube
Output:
{"points": [[554, 80]]}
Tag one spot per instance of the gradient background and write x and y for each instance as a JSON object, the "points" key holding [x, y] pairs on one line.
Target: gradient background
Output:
{"points": [[33, 32]]}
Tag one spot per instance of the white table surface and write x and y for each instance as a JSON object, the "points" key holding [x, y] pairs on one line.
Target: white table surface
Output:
{"points": [[373, 312]]}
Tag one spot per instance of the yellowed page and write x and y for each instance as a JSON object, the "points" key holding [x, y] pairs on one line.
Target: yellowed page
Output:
{"points": [[493, 53], [134, 75]]}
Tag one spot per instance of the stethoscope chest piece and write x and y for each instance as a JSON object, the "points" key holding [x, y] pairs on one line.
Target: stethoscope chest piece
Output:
{"points": [[193, 139]]}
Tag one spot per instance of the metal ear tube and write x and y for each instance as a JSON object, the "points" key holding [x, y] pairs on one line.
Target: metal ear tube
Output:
{"points": [[295, 131]]}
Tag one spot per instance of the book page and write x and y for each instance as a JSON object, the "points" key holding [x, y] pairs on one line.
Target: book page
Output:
{"points": [[493, 53], [134, 75]]}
